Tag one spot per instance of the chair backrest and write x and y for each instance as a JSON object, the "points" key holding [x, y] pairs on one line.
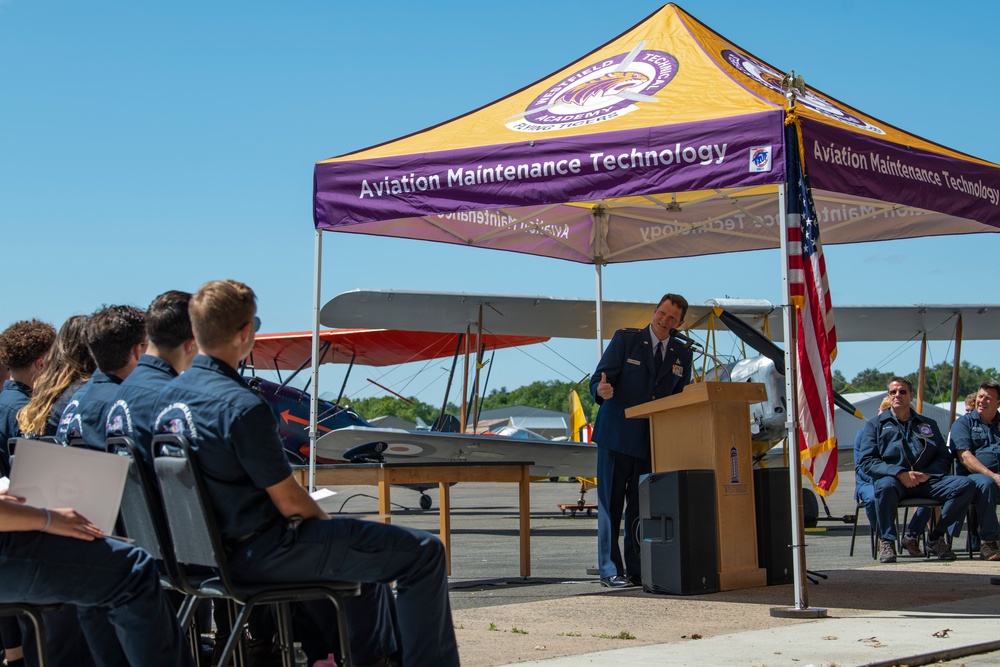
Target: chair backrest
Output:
{"points": [[192, 526], [141, 509]]}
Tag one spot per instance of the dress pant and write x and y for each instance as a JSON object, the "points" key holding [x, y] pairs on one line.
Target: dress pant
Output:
{"points": [[617, 488], [955, 492]]}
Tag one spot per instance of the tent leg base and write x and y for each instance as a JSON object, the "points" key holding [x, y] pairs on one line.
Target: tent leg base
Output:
{"points": [[796, 612]]}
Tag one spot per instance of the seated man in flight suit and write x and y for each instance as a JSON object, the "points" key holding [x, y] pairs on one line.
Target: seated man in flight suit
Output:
{"points": [[905, 456], [975, 439]]}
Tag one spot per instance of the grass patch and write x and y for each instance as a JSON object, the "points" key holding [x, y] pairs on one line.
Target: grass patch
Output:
{"points": [[518, 631], [624, 634], [569, 634], [493, 627]]}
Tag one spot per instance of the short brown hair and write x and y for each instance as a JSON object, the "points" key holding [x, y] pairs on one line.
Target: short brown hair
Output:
{"points": [[898, 379], [219, 309], [991, 385], [25, 342], [678, 301]]}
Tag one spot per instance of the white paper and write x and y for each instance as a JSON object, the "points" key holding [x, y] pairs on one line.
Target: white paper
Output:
{"points": [[53, 476], [320, 494]]}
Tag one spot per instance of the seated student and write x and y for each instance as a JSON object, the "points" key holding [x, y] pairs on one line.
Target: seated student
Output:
{"points": [[975, 439], [67, 366], [864, 489], [23, 346], [170, 351], [905, 456], [107, 581], [274, 530], [116, 337]]}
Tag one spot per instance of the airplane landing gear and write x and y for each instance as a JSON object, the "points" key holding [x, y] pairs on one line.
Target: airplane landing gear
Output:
{"points": [[579, 506], [425, 501]]}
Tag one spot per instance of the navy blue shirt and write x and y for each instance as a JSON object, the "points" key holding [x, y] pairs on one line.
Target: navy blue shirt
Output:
{"points": [[14, 396], [234, 436], [135, 403], [631, 370], [971, 433], [888, 447], [86, 413]]}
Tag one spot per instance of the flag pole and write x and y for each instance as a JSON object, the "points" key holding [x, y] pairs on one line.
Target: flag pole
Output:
{"points": [[314, 398], [800, 608]]}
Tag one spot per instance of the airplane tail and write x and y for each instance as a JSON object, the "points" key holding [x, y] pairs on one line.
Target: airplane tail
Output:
{"points": [[580, 429]]}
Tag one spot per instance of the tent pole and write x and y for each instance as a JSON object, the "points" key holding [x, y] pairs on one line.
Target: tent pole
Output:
{"points": [[801, 608], [955, 368], [314, 397], [921, 375], [600, 311]]}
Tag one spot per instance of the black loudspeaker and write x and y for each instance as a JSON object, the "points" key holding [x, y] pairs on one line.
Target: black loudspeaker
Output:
{"points": [[772, 499], [679, 547]]}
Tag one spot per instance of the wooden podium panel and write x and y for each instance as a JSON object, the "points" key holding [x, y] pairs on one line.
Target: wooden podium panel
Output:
{"points": [[707, 426]]}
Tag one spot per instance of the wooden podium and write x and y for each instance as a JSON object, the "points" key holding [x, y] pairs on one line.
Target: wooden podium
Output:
{"points": [[707, 427]]}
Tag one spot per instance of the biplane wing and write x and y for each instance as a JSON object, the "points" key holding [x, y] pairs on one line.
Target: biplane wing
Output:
{"points": [[551, 458], [370, 347]]}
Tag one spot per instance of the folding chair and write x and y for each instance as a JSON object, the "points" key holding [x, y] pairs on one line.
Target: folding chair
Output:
{"points": [[198, 542], [859, 506], [144, 523], [905, 504], [33, 612]]}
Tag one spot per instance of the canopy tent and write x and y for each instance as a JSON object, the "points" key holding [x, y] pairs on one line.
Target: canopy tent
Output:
{"points": [[667, 141]]}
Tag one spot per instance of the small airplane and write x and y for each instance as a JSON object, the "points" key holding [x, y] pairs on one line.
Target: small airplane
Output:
{"points": [[280, 352]]}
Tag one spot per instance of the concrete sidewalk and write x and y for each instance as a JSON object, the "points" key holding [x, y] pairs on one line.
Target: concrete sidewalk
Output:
{"points": [[919, 637]]}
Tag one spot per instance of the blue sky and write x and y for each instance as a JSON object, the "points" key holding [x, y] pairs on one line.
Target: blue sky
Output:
{"points": [[155, 146]]}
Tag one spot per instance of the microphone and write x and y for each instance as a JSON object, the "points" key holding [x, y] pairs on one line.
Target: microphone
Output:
{"points": [[686, 340]]}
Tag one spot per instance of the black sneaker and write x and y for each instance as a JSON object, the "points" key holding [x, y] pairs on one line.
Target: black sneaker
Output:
{"points": [[886, 551], [940, 548]]}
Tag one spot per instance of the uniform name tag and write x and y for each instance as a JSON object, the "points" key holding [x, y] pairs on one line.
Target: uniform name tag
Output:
{"points": [[633, 361]]}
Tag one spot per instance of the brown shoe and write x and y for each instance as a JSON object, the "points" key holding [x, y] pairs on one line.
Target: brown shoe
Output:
{"points": [[886, 551], [911, 543], [989, 551]]}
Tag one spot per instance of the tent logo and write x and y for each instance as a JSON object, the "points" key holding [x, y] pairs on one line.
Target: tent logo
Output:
{"points": [[760, 159], [599, 92], [763, 74]]}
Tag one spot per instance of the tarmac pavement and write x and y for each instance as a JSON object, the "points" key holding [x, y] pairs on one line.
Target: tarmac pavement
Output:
{"points": [[914, 612]]}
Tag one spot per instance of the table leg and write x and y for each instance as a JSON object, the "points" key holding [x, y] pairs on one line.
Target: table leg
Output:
{"points": [[524, 513], [444, 494], [384, 499]]}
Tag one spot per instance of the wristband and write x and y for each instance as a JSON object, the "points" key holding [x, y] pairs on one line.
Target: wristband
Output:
{"points": [[48, 519]]}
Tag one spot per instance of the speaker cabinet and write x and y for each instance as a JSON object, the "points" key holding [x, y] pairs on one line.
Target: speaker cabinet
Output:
{"points": [[679, 547], [774, 524]]}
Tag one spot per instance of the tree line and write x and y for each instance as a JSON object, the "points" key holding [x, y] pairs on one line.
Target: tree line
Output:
{"points": [[554, 395], [547, 394], [937, 381]]}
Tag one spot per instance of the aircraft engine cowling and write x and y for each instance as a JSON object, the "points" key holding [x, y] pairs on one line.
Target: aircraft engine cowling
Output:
{"points": [[767, 418]]}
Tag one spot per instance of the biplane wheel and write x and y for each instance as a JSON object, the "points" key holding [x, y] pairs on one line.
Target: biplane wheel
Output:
{"points": [[589, 512], [564, 511], [425, 501]]}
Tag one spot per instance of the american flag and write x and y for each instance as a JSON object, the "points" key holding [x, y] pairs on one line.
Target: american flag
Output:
{"points": [[816, 337]]}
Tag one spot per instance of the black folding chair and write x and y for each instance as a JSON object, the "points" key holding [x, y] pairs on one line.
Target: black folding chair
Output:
{"points": [[141, 515], [34, 613], [905, 504], [198, 542]]}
